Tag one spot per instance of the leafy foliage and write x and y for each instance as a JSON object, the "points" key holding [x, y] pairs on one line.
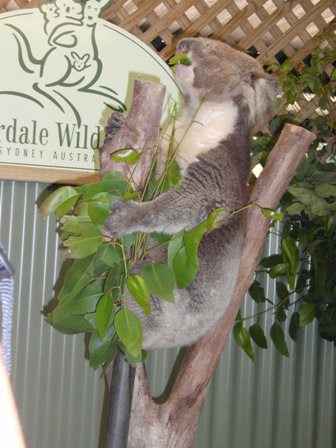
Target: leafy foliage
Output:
{"points": [[96, 287], [304, 267]]}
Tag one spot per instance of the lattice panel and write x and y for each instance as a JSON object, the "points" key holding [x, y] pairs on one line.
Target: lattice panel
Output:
{"points": [[269, 30]]}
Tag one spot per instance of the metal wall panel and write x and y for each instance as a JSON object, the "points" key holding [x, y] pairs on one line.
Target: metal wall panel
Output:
{"points": [[59, 396], [274, 403]]}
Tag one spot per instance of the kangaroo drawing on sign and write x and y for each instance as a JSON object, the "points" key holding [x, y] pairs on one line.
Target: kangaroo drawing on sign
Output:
{"points": [[72, 59], [79, 63]]}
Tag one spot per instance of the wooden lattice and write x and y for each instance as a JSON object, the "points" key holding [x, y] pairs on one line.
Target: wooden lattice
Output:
{"points": [[270, 30]]}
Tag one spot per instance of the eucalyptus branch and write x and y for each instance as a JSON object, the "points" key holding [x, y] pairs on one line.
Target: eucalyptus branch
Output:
{"points": [[274, 308]]}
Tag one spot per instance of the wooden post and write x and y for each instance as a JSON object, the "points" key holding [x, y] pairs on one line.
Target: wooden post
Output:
{"points": [[140, 131], [173, 424]]}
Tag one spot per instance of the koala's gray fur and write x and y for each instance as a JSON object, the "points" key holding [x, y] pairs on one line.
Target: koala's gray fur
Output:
{"points": [[226, 96]]}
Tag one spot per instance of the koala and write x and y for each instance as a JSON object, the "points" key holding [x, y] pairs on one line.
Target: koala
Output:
{"points": [[227, 95]]}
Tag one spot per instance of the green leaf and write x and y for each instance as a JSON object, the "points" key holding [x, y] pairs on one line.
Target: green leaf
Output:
{"points": [[320, 275], [104, 312], [72, 225], [85, 244], [114, 281], [98, 211], [109, 254], [326, 190], [129, 330], [311, 79], [129, 240], [69, 324], [88, 297], [294, 326], [102, 351], [304, 195], [180, 58], [138, 288], [130, 156], [113, 183], [280, 314], [59, 202], [320, 207], [184, 269], [333, 75], [78, 275], [160, 280], [174, 245], [278, 338], [81, 209], [211, 221], [173, 174], [295, 208], [287, 65], [128, 195], [283, 295], [290, 255], [258, 335], [306, 312], [271, 261], [327, 324], [243, 339], [269, 213], [277, 270], [185, 260], [162, 238], [282, 291], [257, 292], [134, 361], [323, 103]]}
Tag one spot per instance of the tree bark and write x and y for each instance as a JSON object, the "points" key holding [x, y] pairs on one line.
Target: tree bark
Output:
{"points": [[173, 424], [140, 131]]}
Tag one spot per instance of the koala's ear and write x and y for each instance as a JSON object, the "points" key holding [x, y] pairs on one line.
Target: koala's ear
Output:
{"points": [[208, 46], [257, 75], [266, 90]]}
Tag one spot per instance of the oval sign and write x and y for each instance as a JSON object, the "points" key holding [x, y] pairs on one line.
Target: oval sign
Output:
{"points": [[65, 71]]}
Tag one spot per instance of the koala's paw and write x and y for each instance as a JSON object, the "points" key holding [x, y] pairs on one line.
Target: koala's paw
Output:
{"points": [[115, 122], [122, 219]]}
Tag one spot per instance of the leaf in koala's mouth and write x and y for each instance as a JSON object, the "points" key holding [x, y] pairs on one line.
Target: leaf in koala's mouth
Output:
{"points": [[180, 58], [130, 156]]}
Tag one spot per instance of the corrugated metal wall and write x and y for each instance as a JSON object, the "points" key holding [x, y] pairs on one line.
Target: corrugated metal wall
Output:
{"points": [[274, 403]]}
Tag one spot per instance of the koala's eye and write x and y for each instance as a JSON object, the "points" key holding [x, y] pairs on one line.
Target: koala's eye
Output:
{"points": [[183, 48]]}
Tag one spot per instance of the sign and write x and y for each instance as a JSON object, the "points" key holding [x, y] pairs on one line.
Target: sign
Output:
{"points": [[63, 72]]}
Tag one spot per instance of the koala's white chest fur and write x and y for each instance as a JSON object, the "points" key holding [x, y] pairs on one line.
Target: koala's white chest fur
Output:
{"points": [[199, 132]]}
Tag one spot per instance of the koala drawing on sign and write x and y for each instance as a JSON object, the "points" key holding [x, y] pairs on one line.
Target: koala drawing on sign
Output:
{"points": [[227, 95]]}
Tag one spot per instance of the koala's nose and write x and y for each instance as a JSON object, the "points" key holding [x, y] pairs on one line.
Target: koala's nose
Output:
{"points": [[183, 46]]}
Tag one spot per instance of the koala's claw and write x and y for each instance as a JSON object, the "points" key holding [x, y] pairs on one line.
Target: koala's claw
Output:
{"points": [[115, 122], [121, 220]]}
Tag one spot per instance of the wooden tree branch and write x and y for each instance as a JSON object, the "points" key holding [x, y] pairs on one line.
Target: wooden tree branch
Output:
{"points": [[140, 130], [173, 424]]}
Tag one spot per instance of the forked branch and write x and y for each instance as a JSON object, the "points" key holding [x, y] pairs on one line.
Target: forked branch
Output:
{"points": [[173, 424]]}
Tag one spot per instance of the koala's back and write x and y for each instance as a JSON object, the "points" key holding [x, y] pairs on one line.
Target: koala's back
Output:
{"points": [[226, 96]]}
